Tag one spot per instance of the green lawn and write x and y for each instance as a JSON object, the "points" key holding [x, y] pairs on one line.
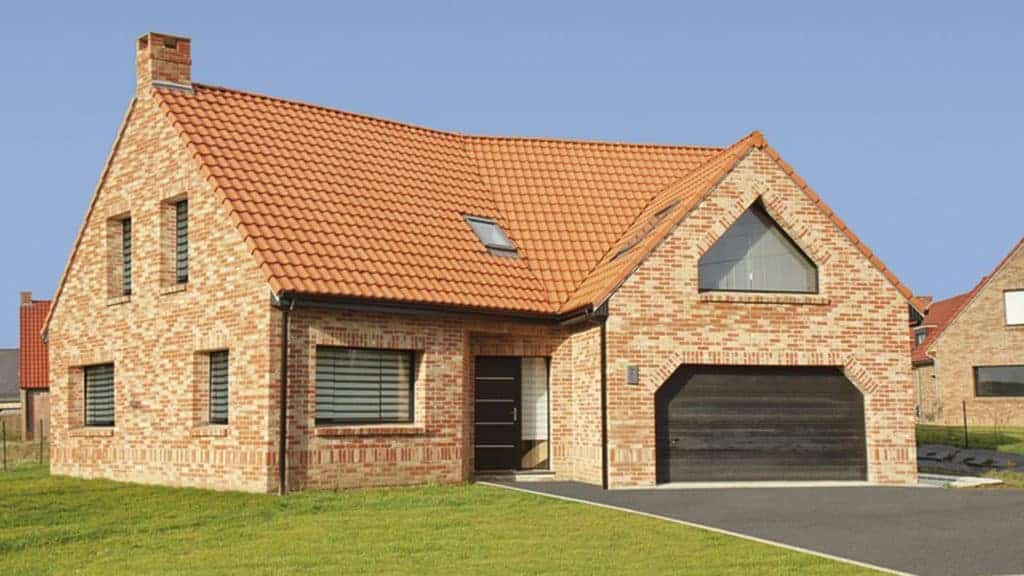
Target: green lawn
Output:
{"points": [[1005, 440], [63, 525]]}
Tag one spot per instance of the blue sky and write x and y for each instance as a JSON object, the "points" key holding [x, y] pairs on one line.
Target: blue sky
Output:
{"points": [[905, 116]]}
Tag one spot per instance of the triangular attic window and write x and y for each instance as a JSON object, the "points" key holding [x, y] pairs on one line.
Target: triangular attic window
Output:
{"points": [[755, 255]]}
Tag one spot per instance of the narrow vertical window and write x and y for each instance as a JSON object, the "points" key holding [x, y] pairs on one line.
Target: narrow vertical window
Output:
{"points": [[99, 395], [126, 257], [219, 387], [181, 242]]}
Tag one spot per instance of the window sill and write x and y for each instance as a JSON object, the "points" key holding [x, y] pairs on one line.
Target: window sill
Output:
{"points": [[765, 298], [91, 432], [210, 431], [174, 288], [118, 300], [370, 430]]}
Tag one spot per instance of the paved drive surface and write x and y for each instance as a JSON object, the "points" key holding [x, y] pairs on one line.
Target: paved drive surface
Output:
{"points": [[926, 531]]}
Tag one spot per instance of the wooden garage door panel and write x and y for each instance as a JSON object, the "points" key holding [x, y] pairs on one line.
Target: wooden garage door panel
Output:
{"points": [[733, 423]]}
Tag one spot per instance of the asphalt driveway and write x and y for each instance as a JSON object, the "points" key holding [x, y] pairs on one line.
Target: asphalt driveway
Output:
{"points": [[926, 531]]}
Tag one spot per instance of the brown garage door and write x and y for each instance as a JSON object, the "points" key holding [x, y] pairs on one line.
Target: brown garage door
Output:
{"points": [[763, 423]]}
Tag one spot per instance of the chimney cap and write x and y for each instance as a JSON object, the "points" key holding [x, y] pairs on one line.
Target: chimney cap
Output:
{"points": [[25, 298]]}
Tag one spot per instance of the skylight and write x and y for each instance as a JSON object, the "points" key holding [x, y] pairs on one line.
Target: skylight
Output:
{"points": [[491, 235]]}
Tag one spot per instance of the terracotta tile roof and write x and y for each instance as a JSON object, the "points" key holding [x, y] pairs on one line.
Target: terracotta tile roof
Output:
{"points": [[337, 204], [33, 360]]}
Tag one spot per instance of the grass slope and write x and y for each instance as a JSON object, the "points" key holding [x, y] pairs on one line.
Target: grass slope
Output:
{"points": [[63, 525]]}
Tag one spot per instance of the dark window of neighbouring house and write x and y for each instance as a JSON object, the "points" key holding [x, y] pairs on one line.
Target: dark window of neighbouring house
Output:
{"points": [[756, 255], [126, 257], [99, 395], [358, 385], [920, 336], [181, 241], [999, 380], [219, 387]]}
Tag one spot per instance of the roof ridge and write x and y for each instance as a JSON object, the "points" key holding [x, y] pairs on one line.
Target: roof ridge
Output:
{"points": [[456, 133]]}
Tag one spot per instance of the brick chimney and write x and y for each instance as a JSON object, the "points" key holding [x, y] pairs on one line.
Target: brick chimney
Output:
{"points": [[163, 59], [26, 298]]}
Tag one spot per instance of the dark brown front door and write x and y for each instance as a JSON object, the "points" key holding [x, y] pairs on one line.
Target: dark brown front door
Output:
{"points": [[759, 423], [498, 381]]}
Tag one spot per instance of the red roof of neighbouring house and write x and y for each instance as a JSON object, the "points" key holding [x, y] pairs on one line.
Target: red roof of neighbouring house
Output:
{"points": [[33, 360], [337, 204]]}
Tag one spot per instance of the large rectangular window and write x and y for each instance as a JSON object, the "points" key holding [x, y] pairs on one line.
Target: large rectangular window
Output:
{"points": [[99, 395], [999, 381], [181, 241], [126, 257], [219, 387], [359, 385]]}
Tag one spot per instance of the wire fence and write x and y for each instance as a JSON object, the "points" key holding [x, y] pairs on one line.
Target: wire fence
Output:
{"points": [[16, 450]]}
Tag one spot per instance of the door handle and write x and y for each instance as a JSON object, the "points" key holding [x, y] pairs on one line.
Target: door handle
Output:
{"points": [[515, 414]]}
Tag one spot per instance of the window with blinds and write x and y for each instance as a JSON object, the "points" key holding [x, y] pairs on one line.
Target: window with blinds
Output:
{"points": [[126, 256], [219, 387], [363, 386], [181, 241], [99, 395]]}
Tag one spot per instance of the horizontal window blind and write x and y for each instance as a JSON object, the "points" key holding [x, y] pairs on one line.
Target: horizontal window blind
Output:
{"points": [[356, 385], [181, 242], [126, 256], [219, 387], [99, 395]]}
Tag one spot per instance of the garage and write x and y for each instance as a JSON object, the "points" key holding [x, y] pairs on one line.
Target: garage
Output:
{"points": [[729, 423]]}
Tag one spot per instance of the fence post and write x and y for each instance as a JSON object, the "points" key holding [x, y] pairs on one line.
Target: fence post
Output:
{"points": [[967, 441], [3, 424], [40, 440]]}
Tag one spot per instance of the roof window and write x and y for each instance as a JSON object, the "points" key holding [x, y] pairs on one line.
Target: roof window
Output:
{"points": [[492, 236]]}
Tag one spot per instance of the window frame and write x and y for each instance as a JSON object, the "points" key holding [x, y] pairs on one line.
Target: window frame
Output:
{"points": [[410, 354], [85, 396], [997, 396], [758, 205], [508, 250], [181, 241], [213, 357], [1006, 306], [920, 335]]}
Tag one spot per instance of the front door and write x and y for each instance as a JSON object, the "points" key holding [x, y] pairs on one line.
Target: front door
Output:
{"points": [[498, 384]]}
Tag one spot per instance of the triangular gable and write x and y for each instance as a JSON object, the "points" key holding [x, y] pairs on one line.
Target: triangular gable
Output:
{"points": [[616, 267]]}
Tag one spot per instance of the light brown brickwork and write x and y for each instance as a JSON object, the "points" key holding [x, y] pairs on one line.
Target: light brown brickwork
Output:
{"points": [[153, 336], [159, 337], [658, 321], [979, 336]]}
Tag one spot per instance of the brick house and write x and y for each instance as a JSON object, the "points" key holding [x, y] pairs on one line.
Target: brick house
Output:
{"points": [[434, 305], [968, 353], [33, 367]]}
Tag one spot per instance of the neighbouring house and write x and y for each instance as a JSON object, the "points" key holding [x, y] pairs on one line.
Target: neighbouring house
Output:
{"points": [[10, 403], [434, 306], [33, 368], [968, 353]]}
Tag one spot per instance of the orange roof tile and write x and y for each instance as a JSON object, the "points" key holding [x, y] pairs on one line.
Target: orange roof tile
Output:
{"points": [[33, 360], [338, 204]]}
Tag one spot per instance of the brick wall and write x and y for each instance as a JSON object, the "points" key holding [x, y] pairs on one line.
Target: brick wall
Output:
{"points": [[980, 337], [658, 320], [927, 386], [157, 337]]}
